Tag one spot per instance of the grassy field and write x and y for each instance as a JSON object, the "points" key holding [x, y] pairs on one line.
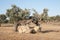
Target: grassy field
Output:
{"points": [[49, 32]]}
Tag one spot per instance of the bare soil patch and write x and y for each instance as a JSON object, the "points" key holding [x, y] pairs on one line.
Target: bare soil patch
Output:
{"points": [[49, 32]]}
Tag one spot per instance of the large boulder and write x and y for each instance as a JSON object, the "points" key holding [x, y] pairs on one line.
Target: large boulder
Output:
{"points": [[23, 29], [28, 28], [36, 28]]}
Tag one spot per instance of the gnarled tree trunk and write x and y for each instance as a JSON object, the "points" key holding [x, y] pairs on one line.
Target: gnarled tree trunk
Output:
{"points": [[0, 24], [16, 26]]}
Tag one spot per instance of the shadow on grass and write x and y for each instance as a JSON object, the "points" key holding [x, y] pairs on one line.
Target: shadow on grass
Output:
{"points": [[47, 31]]}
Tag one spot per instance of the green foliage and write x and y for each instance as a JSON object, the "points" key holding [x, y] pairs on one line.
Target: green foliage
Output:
{"points": [[16, 13], [52, 18], [44, 15], [2, 18], [57, 17], [25, 14], [36, 15]]}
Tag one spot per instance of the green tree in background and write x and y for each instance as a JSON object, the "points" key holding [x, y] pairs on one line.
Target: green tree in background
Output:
{"points": [[52, 18], [36, 15], [44, 15], [25, 14], [15, 14], [57, 17], [2, 18]]}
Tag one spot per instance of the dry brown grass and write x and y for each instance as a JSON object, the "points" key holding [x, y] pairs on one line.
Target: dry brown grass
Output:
{"points": [[49, 32]]}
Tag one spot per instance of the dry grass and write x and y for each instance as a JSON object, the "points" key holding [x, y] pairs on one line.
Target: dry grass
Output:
{"points": [[49, 32]]}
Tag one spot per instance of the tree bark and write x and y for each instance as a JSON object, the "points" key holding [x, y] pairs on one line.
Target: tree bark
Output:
{"points": [[0, 24], [16, 26]]}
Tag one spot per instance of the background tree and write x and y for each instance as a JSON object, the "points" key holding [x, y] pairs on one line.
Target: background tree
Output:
{"points": [[57, 18], [52, 18], [36, 15], [44, 15], [2, 18], [15, 14], [25, 14]]}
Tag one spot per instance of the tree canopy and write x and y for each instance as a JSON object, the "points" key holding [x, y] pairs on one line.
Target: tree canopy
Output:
{"points": [[16, 13]]}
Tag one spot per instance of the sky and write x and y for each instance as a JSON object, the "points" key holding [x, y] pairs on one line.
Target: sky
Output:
{"points": [[52, 5]]}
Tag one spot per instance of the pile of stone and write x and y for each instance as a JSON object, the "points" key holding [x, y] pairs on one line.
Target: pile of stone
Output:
{"points": [[29, 28]]}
